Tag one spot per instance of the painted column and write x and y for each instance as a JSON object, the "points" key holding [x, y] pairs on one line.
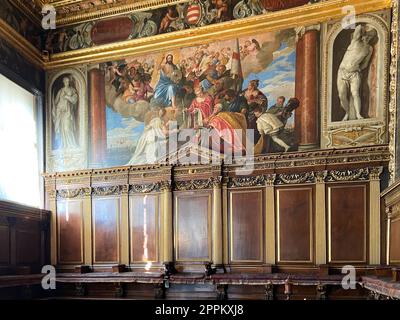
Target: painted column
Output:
{"points": [[306, 116], [217, 223], [97, 107], [270, 219], [320, 218], [375, 216], [168, 247]]}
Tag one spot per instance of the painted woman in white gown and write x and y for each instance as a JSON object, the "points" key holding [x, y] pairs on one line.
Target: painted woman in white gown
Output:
{"points": [[151, 144], [64, 114]]}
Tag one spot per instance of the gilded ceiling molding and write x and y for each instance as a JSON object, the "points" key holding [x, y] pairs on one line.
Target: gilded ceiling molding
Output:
{"points": [[108, 11], [22, 45], [77, 11], [304, 15]]}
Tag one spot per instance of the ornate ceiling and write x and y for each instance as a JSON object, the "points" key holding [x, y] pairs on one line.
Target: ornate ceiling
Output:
{"points": [[75, 11]]}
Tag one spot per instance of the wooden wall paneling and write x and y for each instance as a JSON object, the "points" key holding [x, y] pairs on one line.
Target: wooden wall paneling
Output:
{"points": [[28, 243], [246, 225], [106, 214], [5, 244], [394, 247], [70, 232], [193, 233], [347, 223], [144, 217], [295, 215]]}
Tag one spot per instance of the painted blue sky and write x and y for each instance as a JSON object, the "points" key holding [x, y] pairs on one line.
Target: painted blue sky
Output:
{"points": [[278, 79]]}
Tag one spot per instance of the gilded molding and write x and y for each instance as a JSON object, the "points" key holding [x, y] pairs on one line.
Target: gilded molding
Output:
{"points": [[23, 46], [308, 15]]}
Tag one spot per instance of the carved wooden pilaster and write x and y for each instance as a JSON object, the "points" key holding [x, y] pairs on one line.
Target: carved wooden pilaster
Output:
{"points": [[320, 218], [374, 215], [167, 218], [217, 223], [270, 253]]}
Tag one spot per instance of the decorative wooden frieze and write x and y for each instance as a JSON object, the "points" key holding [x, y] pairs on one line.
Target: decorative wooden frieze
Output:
{"points": [[107, 191], [253, 181], [196, 184], [74, 193], [145, 188], [348, 175], [295, 178]]}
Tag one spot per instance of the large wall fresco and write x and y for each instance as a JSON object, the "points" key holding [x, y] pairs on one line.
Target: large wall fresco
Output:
{"points": [[243, 83], [307, 88], [192, 14]]}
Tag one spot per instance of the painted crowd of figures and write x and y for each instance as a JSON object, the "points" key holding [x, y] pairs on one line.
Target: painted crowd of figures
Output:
{"points": [[203, 91]]}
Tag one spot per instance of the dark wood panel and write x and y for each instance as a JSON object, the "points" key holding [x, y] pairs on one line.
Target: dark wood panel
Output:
{"points": [[70, 226], [394, 253], [192, 221], [246, 226], [4, 244], [105, 230], [294, 213], [28, 245], [347, 223], [144, 228]]}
